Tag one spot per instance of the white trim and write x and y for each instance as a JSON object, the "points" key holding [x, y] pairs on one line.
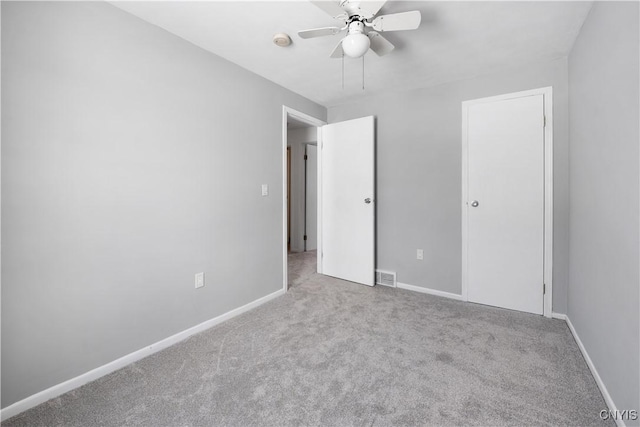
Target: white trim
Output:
{"points": [[429, 291], [559, 316], [285, 211], [465, 196], [547, 93], [80, 380], [319, 253], [603, 389], [312, 121]]}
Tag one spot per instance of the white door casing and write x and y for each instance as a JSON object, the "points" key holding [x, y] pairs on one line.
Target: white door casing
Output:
{"points": [[347, 209], [288, 112], [507, 153]]}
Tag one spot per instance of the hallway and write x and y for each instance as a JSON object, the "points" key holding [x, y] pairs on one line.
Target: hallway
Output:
{"points": [[302, 265]]}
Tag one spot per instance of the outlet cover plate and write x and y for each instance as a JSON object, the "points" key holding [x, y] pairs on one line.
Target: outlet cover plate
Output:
{"points": [[199, 280]]}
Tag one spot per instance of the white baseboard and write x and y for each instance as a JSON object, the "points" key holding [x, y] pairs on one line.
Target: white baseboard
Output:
{"points": [[603, 389], [429, 291], [103, 370]]}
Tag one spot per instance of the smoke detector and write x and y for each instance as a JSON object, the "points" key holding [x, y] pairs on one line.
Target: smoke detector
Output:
{"points": [[282, 39]]}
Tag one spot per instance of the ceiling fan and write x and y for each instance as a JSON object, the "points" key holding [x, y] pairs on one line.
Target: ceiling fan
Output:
{"points": [[358, 17]]}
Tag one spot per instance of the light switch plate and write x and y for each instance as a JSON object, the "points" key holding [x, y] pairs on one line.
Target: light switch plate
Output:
{"points": [[265, 189]]}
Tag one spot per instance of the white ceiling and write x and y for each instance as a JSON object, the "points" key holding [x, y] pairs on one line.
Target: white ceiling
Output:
{"points": [[456, 40]]}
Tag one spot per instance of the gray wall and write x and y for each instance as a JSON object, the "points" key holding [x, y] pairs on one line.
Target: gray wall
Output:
{"points": [[604, 173], [419, 173], [131, 160]]}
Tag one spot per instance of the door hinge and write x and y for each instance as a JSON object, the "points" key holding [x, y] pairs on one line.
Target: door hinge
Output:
{"points": [[305, 237], [544, 121], [544, 289], [305, 157]]}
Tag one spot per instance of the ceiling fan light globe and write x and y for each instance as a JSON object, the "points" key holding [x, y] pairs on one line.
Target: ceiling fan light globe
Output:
{"points": [[355, 45]]}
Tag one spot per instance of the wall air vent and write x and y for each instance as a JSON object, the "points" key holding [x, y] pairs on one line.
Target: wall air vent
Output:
{"points": [[386, 278]]}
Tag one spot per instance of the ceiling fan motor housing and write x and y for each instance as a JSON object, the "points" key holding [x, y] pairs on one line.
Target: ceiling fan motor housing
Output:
{"points": [[356, 26]]}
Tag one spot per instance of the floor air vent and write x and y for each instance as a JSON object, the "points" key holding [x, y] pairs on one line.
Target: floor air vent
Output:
{"points": [[385, 278]]}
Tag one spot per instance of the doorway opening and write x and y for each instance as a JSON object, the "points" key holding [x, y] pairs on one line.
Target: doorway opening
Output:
{"points": [[300, 191]]}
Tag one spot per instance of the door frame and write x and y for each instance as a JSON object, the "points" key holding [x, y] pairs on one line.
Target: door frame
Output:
{"points": [[311, 121], [547, 93]]}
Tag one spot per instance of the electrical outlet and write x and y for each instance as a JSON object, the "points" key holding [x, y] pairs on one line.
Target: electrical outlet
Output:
{"points": [[420, 254], [199, 280]]}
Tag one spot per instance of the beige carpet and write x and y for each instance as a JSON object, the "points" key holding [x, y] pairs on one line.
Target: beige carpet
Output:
{"points": [[334, 353]]}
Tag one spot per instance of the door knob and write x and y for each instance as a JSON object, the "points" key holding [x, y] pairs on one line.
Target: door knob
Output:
{"points": [[367, 200], [475, 204]]}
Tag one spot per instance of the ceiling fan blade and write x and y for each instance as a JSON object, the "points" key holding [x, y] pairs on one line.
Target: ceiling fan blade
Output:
{"points": [[398, 21], [331, 7], [337, 51], [318, 32], [379, 44], [371, 7]]}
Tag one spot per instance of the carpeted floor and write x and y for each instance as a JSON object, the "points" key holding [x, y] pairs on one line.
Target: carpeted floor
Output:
{"points": [[331, 352]]}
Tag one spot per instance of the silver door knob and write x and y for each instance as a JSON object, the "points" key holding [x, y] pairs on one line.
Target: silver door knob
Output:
{"points": [[367, 200], [475, 204]]}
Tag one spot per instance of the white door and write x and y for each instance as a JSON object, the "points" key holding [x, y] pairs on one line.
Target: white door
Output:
{"points": [[505, 203], [347, 210], [311, 208]]}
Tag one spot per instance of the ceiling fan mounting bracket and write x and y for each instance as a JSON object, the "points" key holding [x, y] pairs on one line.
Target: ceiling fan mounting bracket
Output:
{"points": [[355, 18]]}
